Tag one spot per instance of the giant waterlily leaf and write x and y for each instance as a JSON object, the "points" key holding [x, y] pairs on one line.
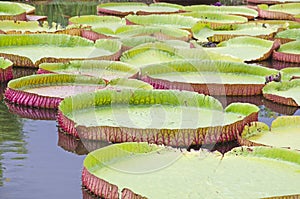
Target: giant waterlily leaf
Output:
{"points": [[216, 20], [123, 9], [281, 23], [289, 35], [107, 70], [291, 73], [6, 71], [31, 50], [232, 10], [204, 32], [246, 48], [286, 92], [272, 1], [178, 118], [208, 77], [28, 27], [284, 132], [124, 83], [286, 11], [12, 11], [47, 90], [175, 21], [289, 52], [121, 169]]}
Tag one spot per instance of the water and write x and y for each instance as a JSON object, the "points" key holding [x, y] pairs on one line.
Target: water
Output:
{"points": [[38, 161]]}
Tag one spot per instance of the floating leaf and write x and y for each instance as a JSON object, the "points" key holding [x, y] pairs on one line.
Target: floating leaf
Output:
{"points": [[31, 50], [289, 52], [12, 11], [286, 92], [232, 10], [284, 132], [126, 8], [48, 90], [156, 116], [107, 70], [285, 11], [120, 169], [246, 48], [207, 77], [6, 71]]}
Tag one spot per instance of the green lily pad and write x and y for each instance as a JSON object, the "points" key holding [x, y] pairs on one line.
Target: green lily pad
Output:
{"points": [[247, 48], [12, 11], [122, 168], [124, 83], [106, 70], [205, 32], [156, 116], [6, 71], [285, 11], [291, 73], [216, 20], [286, 92], [289, 52], [48, 90], [284, 132], [31, 50], [289, 35], [207, 77], [232, 10], [272, 1], [125, 8], [175, 20], [30, 27]]}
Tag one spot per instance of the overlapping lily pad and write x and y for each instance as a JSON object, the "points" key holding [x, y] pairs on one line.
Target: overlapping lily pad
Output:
{"points": [[156, 116], [12, 11], [205, 32], [118, 171], [284, 132], [175, 20], [232, 10], [104, 69], [216, 20], [289, 52], [31, 50], [272, 1], [286, 92], [291, 73], [31, 27], [126, 8], [48, 90], [289, 35], [287, 11], [247, 48], [208, 77], [6, 71]]}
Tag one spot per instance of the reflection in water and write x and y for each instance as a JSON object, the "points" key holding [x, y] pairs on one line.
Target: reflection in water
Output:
{"points": [[12, 144], [22, 72]]}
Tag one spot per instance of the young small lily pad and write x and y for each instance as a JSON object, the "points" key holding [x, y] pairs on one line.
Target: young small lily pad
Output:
{"points": [[284, 132]]}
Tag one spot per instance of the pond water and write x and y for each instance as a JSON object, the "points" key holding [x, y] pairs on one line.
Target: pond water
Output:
{"points": [[38, 161]]}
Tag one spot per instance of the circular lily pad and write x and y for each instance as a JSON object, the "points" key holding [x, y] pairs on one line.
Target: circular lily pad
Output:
{"points": [[272, 1], [205, 32], [176, 118], [31, 50], [117, 171], [104, 69], [289, 35], [291, 73], [175, 20], [126, 8], [12, 11], [34, 27], [207, 77], [286, 92], [247, 48], [286, 11], [6, 71], [289, 52], [231, 10], [284, 132], [48, 90]]}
